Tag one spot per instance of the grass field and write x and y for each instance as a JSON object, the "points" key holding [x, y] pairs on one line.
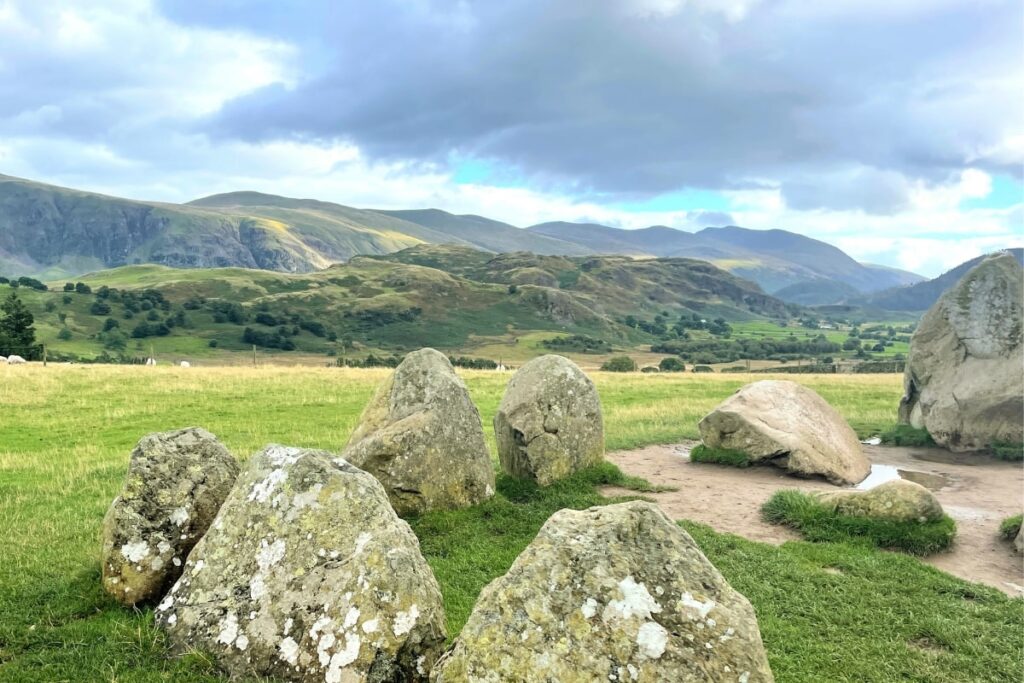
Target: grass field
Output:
{"points": [[827, 612]]}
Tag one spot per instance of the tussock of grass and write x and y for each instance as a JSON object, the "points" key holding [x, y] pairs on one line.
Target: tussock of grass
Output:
{"points": [[905, 435], [1004, 450], [719, 456], [1009, 527], [817, 522]]}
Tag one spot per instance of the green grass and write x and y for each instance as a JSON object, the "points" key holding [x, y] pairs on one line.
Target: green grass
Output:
{"points": [[66, 433], [1004, 450], [817, 523], [719, 456], [1009, 527], [905, 435]]}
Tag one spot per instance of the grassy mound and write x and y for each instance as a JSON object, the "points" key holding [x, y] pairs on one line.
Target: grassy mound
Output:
{"points": [[818, 522], [905, 435], [1009, 527], [719, 456], [1012, 452]]}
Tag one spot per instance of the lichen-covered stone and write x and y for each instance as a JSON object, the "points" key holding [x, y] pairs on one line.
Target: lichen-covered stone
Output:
{"points": [[176, 483], [898, 500], [549, 422], [788, 425], [616, 593], [421, 436], [964, 380], [307, 574]]}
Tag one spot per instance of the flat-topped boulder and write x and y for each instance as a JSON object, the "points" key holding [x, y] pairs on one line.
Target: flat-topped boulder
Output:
{"points": [[616, 593], [788, 425], [307, 574], [964, 380], [421, 436], [899, 500], [175, 485], [549, 422]]}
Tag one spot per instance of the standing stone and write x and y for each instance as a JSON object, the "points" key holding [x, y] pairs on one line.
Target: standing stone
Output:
{"points": [[308, 575], [788, 425], [16, 360], [421, 436], [176, 483], [549, 423], [617, 593], [899, 501], [964, 380]]}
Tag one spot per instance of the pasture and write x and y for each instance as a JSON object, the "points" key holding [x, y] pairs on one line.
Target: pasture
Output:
{"points": [[828, 612]]}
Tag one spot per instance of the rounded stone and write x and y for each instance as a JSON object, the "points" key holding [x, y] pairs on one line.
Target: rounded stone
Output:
{"points": [[549, 422], [898, 500], [964, 380], [307, 574], [616, 593], [176, 482], [421, 436], [788, 425]]}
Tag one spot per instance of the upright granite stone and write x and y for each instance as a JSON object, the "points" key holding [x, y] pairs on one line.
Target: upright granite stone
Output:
{"points": [[617, 593], [549, 423], [176, 483], [964, 380], [307, 574], [788, 425], [421, 436], [898, 501]]}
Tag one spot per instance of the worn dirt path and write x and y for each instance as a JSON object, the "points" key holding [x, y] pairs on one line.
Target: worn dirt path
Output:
{"points": [[977, 491]]}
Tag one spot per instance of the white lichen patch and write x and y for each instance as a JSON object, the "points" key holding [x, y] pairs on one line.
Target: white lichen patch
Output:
{"points": [[163, 547], [351, 617], [371, 625], [242, 642], [701, 607], [361, 542], [135, 551], [636, 601], [228, 629], [283, 455], [342, 659], [257, 587], [289, 650], [270, 554], [179, 516], [652, 639], [589, 608], [261, 490], [405, 620], [307, 498], [199, 567], [166, 603]]}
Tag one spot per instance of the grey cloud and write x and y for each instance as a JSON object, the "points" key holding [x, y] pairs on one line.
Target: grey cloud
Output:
{"points": [[877, 192], [592, 97]]}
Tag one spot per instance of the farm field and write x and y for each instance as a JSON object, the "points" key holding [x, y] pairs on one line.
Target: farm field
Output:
{"points": [[66, 432]]}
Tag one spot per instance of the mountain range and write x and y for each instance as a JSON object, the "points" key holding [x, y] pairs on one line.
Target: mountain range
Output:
{"points": [[51, 232]]}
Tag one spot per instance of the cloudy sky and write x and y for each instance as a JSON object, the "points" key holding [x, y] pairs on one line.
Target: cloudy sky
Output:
{"points": [[892, 128]]}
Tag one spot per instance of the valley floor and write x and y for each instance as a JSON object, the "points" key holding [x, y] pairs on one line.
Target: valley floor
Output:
{"points": [[975, 490]]}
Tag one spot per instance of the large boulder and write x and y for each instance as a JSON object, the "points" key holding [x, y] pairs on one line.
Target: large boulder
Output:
{"points": [[898, 501], [786, 424], [964, 380], [16, 360], [176, 483], [616, 593], [421, 436], [549, 422], [308, 575]]}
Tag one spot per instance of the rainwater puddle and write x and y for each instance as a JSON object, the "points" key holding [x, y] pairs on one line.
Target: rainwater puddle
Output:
{"points": [[883, 473], [947, 458]]}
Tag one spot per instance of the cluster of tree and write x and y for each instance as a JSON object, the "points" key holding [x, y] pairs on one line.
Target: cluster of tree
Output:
{"points": [[731, 350], [281, 338], [473, 363], [619, 364], [580, 343], [371, 361], [661, 326], [24, 281], [17, 329], [369, 318]]}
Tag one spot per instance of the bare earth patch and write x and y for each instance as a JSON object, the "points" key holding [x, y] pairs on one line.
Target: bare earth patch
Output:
{"points": [[976, 491]]}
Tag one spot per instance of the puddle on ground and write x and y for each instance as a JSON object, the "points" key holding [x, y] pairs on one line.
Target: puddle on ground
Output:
{"points": [[873, 441], [883, 473], [946, 457]]}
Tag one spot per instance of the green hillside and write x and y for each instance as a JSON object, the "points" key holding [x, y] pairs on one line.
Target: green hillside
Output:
{"points": [[382, 304]]}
